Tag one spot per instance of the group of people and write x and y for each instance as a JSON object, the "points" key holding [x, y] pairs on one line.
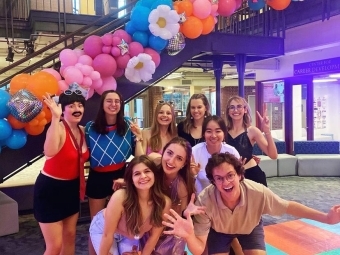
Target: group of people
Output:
{"points": [[196, 183]]}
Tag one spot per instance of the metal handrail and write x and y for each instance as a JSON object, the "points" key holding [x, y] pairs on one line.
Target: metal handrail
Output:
{"points": [[63, 40]]}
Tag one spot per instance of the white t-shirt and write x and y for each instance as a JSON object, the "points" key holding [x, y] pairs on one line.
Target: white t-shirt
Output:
{"points": [[201, 155]]}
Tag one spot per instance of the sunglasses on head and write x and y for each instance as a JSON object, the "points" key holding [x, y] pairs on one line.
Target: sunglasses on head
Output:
{"points": [[69, 92], [166, 102]]}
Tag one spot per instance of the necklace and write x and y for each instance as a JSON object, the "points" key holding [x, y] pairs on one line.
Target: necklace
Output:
{"points": [[137, 236]]}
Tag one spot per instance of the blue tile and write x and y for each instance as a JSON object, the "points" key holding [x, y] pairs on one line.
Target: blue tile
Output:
{"points": [[335, 229]]}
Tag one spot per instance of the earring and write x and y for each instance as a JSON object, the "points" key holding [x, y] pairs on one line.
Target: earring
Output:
{"points": [[205, 116], [191, 117]]}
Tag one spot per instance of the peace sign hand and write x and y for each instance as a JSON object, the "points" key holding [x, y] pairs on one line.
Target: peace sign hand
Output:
{"points": [[265, 124], [135, 129], [53, 106]]}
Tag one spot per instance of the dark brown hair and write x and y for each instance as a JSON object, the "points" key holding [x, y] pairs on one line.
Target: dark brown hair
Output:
{"points": [[100, 123], [219, 121], [65, 100], [134, 219]]}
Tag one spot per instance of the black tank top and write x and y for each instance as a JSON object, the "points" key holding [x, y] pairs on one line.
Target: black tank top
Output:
{"points": [[242, 145]]}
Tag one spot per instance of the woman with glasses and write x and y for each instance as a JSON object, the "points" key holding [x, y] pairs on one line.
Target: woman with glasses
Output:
{"points": [[234, 207], [112, 139], [132, 211], [242, 135], [214, 131], [191, 127], [162, 130], [61, 183]]}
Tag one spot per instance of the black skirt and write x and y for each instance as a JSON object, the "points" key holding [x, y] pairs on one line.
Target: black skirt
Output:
{"points": [[55, 200]]}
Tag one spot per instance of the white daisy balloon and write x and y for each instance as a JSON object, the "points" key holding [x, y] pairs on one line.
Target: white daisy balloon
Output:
{"points": [[140, 68], [164, 22]]}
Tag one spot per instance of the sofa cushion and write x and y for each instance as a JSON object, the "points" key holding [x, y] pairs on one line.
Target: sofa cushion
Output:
{"points": [[316, 147], [318, 164]]}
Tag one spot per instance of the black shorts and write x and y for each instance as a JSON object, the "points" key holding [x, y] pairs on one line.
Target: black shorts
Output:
{"points": [[256, 174], [55, 200], [99, 184], [220, 243]]}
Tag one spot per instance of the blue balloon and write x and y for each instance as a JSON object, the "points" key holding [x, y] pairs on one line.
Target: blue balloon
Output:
{"points": [[157, 43], [141, 37], [139, 18], [2, 143], [256, 6], [17, 139], [146, 3], [4, 98], [5, 129], [162, 2], [129, 28]]}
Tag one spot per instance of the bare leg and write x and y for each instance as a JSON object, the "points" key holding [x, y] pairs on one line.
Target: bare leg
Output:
{"points": [[236, 247], [52, 233], [95, 205], [69, 235], [254, 252]]}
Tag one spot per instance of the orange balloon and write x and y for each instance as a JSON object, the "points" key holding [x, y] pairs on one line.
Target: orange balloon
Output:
{"points": [[48, 114], [33, 122], [41, 83], [40, 116], [192, 27], [278, 5], [185, 6], [208, 25], [34, 130], [43, 122], [18, 82], [15, 124]]}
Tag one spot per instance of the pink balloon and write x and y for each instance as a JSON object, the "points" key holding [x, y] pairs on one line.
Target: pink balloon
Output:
{"points": [[119, 72], [115, 51], [97, 83], [238, 3], [53, 72], [226, 7], [154, 55], [62, 85], [122, 34], [85, 60], [214, 9], [105, 64], [201, 8], [122, 61], [93, 46], [78, 66], [95, 75], [116, 40], [109, 83], [68, 57], [135, 48], [86, 70], [79, 52], [87, 82], [107, 39], [90, 93], [72, 74], [106, 49]]}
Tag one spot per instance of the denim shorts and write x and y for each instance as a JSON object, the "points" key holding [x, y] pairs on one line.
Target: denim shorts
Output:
{"points": [[120, 243], [220, 242]]}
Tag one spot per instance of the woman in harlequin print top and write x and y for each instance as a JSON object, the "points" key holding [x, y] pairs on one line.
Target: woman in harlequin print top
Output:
{"points": [[112, 139]]}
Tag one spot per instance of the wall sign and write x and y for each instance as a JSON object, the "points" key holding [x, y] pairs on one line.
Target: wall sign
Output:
{"points": [[317, 67]]}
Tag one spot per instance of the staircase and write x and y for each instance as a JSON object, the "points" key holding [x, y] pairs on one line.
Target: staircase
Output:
{"points": [[216, 45]]}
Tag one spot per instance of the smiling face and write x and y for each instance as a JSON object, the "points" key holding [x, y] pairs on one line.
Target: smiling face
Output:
{"points": [[173, 159], [142, 176], [164, 116], [197, 109], [213, 134], [236, 109], [74, 112], [227, 181], [112, 104]]}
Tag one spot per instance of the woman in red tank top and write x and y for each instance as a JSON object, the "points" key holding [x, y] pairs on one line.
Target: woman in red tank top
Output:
{"points": [[60, 185]]}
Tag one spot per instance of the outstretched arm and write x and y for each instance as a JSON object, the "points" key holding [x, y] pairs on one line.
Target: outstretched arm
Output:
{"points": [[184, 228], [302, 211], [193, 209]]}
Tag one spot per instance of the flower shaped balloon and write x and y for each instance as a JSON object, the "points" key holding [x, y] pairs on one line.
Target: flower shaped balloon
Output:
{"points": [[139, 68], [164, 22]]}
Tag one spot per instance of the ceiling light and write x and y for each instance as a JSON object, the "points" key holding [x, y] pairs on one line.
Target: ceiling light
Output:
{"points": [[336, 75], [174, 76], [10, 55], [323, 80]]}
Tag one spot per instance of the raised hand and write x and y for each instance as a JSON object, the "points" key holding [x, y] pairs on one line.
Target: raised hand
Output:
{"points": [[135, 129], [194, 168], [333, 216], [265, 123], [193, 209], [53, 106], [179, 227]]}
